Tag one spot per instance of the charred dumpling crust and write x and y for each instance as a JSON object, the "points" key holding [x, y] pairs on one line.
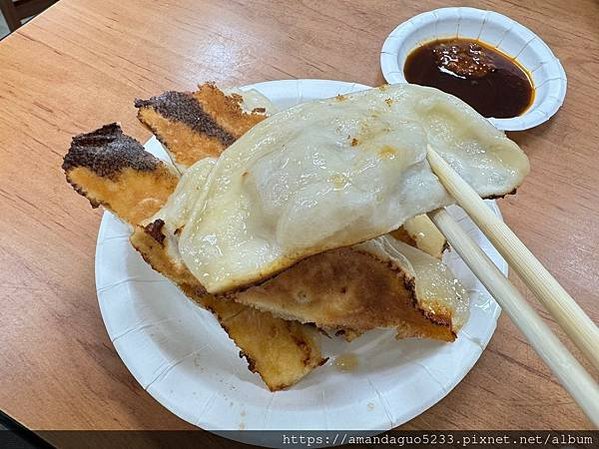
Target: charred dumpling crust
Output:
{"points": [[183, 107], [112, 169], [194, 125], [107, 152]]}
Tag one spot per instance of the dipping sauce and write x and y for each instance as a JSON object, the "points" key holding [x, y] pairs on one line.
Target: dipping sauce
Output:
{"points": [[492, 83]]}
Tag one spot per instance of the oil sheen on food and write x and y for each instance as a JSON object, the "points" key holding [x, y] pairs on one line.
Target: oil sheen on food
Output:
{"points": [[489, 81], [346, 362]]}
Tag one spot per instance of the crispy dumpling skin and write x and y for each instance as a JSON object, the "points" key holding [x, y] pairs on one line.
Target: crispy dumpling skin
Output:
{"points": [[195, 125], [350, 288], [282, 352], [113, 170]]}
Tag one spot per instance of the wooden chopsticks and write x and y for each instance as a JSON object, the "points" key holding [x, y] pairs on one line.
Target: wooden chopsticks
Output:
{"points": [[577, 325], [568, 314]]}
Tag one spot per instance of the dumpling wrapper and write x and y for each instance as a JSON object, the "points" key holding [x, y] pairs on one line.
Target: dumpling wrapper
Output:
{"points": [[437, 289], [381, 283], [336, 172]]}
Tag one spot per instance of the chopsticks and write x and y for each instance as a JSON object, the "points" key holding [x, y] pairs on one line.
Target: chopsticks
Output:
{"points": [[568, 314], [567, 369], [570, 373]]}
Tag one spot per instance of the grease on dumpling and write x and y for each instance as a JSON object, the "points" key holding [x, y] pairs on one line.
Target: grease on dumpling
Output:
{"points": [[334, 173]]}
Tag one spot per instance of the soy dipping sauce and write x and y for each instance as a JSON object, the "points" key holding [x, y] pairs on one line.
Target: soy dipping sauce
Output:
{"points": [[492, 83]]}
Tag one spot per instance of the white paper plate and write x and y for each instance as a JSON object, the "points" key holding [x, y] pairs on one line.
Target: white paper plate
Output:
{"points": [[180, 355], [505, 34]]}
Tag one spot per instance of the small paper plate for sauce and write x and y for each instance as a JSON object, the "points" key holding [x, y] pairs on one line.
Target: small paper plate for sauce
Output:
{"points": [[508, 36]]}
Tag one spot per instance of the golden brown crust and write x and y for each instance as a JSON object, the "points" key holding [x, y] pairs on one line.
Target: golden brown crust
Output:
{"points": [[135, 193], [113, 170], [286, 348], [348, 290], [226, 110], [192, 126], [281, 352], [122, 195], [182, 107]]}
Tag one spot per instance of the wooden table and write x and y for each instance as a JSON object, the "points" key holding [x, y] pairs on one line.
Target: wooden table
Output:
{"points": [[81, 64]]}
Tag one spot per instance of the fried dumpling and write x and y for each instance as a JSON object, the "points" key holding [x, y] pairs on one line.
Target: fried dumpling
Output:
{"points": [[112, 169], [182, 132], [336, 172], [195, 125], [382, 283], [439, 295], [347, 290]]}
